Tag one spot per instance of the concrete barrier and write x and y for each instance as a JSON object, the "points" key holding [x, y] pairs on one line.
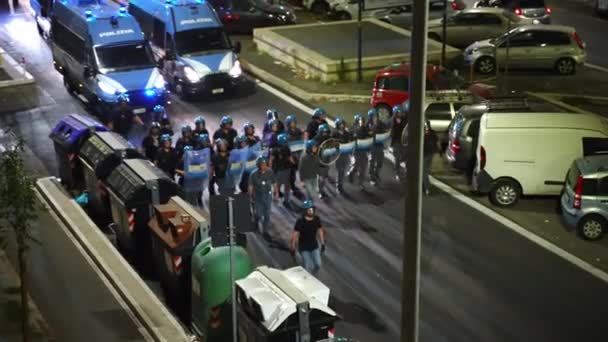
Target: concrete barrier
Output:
{"points": [[145, 305], [19, 92]]}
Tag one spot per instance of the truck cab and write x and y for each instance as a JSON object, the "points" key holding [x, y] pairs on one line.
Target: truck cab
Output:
{"points": [[101, 52], [189, 42]]}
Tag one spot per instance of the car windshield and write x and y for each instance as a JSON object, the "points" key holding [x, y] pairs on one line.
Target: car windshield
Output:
{"points": [[200, 41], [498, 40], [135, 56], [573, 175]]}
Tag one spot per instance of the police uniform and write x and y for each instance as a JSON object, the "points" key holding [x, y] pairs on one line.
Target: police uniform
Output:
{"points": [[294, 134], [183, 142], [220, 173], [361, 157], [377, 150], [282, 166], [123, 122], [167, 160], [343, 161], [313, 127], [323, 169], [198, 132], [262, 183], [228, 135], [151, 144], [397, 146]]}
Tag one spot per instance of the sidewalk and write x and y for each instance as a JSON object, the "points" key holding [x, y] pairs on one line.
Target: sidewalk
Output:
{"points": [[10, 308]]}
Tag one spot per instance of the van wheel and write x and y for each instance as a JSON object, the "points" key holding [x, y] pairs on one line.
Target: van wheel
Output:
{"points": [[565, 66], [384, 112], [592, 227], [485, 65], [434, 36], [505, 193]]}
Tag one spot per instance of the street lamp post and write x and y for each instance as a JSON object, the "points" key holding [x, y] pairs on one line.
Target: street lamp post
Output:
{"points": [[444, 31], [413, 201]]}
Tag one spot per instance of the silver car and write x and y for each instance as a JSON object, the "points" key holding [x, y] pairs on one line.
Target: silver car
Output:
{"points": [[525, 9], [402, 16], [474, 24], [584, 202], [531, 46]]}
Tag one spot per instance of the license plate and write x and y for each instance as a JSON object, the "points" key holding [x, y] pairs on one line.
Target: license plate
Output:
{"points": [[139, 110], [217, 91]]}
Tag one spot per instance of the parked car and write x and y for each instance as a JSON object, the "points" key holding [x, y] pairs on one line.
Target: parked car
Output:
{"points": [[463, 131], [391, 86], [529, 153], [525, 9], [471, 25], [601, 7], [402, 16], [242, 16], [440, 109], [349, 9], [316, 6], [584, 202], [531, 46]]}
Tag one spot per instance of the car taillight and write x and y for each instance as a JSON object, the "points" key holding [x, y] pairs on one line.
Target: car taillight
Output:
{"points": [[578, 40], [482, 158], [578, 193], [214, 317], [518, 11], [455, 146], [455, 6], [548, 10], [231, 16]]}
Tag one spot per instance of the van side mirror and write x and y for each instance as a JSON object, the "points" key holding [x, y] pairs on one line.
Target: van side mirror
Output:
{"points": [[88, 72], [237, 47]]}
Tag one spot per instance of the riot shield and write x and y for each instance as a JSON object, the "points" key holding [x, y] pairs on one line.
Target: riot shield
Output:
{"points": [[236, 165], [253, 152], [196, 170]]}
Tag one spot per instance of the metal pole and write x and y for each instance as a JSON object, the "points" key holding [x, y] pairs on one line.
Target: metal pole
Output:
{"points": [[413, 201], [444, 31], [360, 43], [506, 78], [231, 229]]}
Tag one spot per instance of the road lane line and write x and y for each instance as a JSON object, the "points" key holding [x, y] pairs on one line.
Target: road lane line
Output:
{"points": [[596, 67], [515, 227]]}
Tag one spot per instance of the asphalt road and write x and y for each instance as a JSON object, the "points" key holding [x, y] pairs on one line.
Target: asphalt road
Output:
{"points": [[480, 281]]}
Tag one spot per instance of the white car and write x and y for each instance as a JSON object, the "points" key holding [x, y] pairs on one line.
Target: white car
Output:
{"points": [[532, 46]]}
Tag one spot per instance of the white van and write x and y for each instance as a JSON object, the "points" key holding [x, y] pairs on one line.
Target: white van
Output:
{"points": [[349, 9], [530, 153]]}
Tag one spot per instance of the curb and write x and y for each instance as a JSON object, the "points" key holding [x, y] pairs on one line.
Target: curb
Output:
{"points": [[15, 70], [298, 92]]}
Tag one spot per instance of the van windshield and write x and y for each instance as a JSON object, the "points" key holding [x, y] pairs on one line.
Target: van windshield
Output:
{"points": [[199, 41], [121, 57]]}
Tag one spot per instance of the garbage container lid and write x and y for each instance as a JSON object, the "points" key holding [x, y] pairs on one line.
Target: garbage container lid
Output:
{"points": [[133, 178], [74, 126], [103, 152]]}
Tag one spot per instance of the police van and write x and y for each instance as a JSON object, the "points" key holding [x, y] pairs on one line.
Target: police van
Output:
{"points": [[190, 43], [101, 52]]}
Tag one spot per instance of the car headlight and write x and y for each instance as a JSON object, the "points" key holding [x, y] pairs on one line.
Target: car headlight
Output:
{"points": [[191, 75], [159, 83], [236, 70], [107, 88]]}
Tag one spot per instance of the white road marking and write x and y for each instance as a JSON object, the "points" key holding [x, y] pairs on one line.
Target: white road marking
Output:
{"points": [[596, 67], [582, 264]]}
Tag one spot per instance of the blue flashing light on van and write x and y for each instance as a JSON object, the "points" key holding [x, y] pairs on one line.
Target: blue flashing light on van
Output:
{"points": [[189, 41], [102, 53]]}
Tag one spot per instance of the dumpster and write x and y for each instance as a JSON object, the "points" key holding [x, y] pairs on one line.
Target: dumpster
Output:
{"points": [[100, 155], [212, 290], [176, 228], [283, 306], [68, 136], [134, 187]]}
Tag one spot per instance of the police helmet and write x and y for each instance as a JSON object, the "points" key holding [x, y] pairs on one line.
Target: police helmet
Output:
{"points": [[241, 139], [272, 114], [165, 137], [186, 129], [248, 126], [123, 98], [199, 120], [397, 110], [372, 113], [324, 128], [358, 118], [158, 109], [261, 160], [318, 113], [289, 119], [310, 144], [226, 120], [282, 139], [339, 122], [308, 205]]}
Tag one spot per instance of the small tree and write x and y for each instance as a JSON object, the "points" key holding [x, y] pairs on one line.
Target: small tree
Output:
{"points": [[18, 210]]}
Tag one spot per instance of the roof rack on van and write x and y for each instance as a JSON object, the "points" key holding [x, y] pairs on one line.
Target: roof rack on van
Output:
{"points": [[457, 94], [508, 103]]}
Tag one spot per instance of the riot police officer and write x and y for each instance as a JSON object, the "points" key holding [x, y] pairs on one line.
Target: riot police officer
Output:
{"points": [[166, 157], [249, 134], [219, 167], [203, 142], [318, 118], [124, 117], [309, 169], [180, 170], [399, 124], [294, 133], [158, 113], [226, 132], [343, 135], [375, 126], [151, 142], [272, 114], [323, 133], [185, 140], [242, 142], [270, 139], [165, 125], [360, 131], [262, 188], [281, 163], [200, 126]]}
